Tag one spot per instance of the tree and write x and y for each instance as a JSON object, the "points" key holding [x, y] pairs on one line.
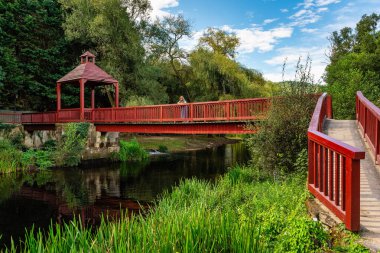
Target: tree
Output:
{"points": [[220, 42], [113, 30], [354, 65], [216, 76], [33, 54], [165, 36]]}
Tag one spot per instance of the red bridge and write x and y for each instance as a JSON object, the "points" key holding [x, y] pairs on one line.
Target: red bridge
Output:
{"points": [[220, 117]]}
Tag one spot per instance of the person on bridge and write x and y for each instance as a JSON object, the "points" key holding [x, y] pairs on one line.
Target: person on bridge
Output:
{"points": [[184, 108]]}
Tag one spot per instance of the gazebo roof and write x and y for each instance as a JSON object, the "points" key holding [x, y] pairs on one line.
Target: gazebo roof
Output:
{"points": [[89, 71]]}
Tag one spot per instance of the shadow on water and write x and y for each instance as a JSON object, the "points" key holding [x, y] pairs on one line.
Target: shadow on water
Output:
{"points": [[102, 188]]}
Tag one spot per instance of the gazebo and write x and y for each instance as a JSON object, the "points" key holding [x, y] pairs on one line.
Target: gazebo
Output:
{"points": [[87, 73]]}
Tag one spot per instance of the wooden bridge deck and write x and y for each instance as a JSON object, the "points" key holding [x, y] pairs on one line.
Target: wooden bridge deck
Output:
{"points": [[347, 131]]}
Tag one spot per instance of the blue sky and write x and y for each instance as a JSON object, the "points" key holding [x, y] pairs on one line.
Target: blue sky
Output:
{"points": [[271, 30]]}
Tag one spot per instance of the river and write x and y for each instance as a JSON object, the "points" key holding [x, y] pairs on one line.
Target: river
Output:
{"points": [[55, 196]]}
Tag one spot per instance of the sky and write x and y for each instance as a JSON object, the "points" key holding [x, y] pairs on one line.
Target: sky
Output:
{"points": [[271, 31]]}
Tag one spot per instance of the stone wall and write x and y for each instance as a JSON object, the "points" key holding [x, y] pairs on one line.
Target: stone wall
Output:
{"points": [[99, 145]]}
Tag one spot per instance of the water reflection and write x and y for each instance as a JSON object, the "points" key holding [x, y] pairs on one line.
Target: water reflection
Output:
{"points": [[95, 189]]}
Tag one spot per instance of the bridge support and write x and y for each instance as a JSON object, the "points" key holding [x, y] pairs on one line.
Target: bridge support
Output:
{"points": [[178, 128]]}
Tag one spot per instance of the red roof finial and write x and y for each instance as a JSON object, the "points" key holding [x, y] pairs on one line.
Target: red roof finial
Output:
{"points": [[87, 57]]}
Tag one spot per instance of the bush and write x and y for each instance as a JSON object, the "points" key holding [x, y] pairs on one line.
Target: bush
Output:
{"points": [[283, 136], [131, 151], [40, 158], [162, 148], [10, 157], [72, 144]]}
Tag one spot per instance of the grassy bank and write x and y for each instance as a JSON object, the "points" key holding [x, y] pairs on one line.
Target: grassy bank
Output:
{"points": [[179, 143], [240, 213]]}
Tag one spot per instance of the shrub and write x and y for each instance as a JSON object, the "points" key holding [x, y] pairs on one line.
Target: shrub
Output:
{"points": [[10, 157], [72, 144], [162, 148], [131, 151], [283, 136], [40, 158], [50, 145]]}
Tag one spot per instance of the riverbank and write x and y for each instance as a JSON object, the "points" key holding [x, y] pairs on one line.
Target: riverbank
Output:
{"points": [[241, 212], [180, 143]]}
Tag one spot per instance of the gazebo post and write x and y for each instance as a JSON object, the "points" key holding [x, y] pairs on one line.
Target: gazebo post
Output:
{"points": [[116, 94], [92, 98], [81, 95], [92, 102], [58, 97]]}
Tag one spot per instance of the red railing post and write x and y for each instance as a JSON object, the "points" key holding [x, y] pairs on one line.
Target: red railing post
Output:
{"points": [[353, 194], [191, 112], [377, 153], [161, 113], [228, 110], [311, 161]]}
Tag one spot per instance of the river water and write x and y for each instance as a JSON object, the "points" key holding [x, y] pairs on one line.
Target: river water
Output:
{"points": [[54, 196]]}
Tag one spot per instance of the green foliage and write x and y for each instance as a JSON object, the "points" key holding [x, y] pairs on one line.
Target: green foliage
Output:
{"points": [[215, 75], [113, 29], [354, 65], [163, 148], [281, 138], [220, 42], [131, 151], [232, 215], [302, 235], [72, 144], [50, 145], [10, 157], [346, 241], [33, 53], [40, 158]]}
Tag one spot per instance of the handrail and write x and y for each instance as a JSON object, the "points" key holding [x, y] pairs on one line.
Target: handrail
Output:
{"points": [[334, 169], [368, 119], [227, 110]]}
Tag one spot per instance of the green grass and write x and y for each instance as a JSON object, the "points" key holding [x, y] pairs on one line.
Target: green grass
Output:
{"points": [[173, 144], [131, 151], [240, 213], [10, 158]]}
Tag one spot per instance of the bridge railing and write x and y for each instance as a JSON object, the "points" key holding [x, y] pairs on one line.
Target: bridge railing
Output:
{"points": [[242, 109], [10, 117], [334, 169], [368, 118], [229, 110]]}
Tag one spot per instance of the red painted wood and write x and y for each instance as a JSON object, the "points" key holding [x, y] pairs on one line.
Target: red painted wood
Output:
{"points": [[334, 168], [368, 119], [178, 128], [81, 99]]}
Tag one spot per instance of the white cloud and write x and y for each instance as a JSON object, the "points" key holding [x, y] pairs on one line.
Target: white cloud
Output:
{"points": [[322, 9], [284, 10], [159, 6], [309, 30], [189, 43], [326, 2], [268, 21], [292, 55], [255, 38], [304, 17]]}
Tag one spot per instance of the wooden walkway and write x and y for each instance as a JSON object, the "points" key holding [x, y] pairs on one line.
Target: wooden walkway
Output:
{"points": [[347, 131]]}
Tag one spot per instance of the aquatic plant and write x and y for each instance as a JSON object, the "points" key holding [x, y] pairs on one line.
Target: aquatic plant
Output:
{"points": [[131, 151]]}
